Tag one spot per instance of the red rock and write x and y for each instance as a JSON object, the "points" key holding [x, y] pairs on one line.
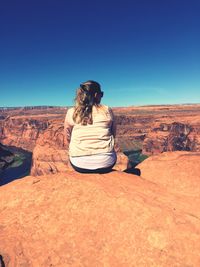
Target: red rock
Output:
{"points": [[179, 171], [153, 128], [114, 220], [22, 131], [50, 151]]}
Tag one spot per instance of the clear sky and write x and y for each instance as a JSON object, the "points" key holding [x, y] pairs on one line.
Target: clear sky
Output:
{"points": [[141, 51]]}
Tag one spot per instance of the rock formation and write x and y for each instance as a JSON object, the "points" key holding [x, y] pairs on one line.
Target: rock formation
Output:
{"points": [[178, 172], [41, 134], [22, 131], [113, 220], [153, 129], [50, 152], [171, 137], [160, 128]]}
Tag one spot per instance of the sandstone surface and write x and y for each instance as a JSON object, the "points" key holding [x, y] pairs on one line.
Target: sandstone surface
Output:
{"points": [[114, 220], [178, 172]]}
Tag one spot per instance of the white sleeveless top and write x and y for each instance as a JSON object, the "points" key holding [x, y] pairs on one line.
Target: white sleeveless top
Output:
{"points": [[88, 140]]}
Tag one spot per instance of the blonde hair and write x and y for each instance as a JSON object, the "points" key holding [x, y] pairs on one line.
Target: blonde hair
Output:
{"points": [[87, 95]]}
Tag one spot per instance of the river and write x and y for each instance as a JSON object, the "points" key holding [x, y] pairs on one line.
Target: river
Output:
{"points": [[19, 168]]}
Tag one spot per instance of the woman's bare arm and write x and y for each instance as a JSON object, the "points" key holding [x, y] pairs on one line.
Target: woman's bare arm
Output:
{"points": [[67, 127], [113, 127]]}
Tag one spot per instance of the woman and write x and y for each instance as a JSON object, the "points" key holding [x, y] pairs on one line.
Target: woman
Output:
{"points": [[90, 131]]}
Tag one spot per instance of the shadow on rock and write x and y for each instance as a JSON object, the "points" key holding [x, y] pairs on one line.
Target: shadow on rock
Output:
{"points": [[2, 264], [135, 171]]}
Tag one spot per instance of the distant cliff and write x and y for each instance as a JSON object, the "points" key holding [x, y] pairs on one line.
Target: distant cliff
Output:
{"points": [[174, 136], [153, 130], [4, 109]]}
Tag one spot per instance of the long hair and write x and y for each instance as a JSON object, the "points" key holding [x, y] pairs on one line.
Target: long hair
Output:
{"points": [[86, 98]]}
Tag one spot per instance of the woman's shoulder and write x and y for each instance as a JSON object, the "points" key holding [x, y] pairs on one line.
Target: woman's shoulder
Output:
{"points": [[104, 110], [103, 107], [107, 109], [70, 111], [69, 115]]}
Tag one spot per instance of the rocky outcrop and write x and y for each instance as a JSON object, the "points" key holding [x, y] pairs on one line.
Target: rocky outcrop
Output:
{"points": [[115, 219], [50, 152], [22, 131], [178, 172], [43, 135], [171, 137]]}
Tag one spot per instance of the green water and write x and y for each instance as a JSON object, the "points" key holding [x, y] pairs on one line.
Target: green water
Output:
{"points": [[133, 150], [135, 157], [17, 160], [20, 166]]}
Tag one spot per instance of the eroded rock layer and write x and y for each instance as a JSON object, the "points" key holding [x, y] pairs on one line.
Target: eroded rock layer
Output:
{"points": [[152, 129]]}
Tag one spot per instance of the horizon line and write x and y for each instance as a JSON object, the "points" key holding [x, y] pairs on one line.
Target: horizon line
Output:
{"points": [[52, 106]]}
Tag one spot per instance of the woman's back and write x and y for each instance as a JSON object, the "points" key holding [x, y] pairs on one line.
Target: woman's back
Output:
{"points": [[90, 131], [94, 138]]}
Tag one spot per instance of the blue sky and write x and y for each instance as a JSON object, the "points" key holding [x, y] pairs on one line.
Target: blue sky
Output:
{"points": [[141, 52]]}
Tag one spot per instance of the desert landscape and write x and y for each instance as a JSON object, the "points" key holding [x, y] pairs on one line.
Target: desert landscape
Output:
{"points": [[142, 59], [146, 130], [54, 216]]}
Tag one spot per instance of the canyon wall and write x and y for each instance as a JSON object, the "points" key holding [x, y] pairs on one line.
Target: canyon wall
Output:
{"points": [[159, 129], [150, 129], [42, 134]]}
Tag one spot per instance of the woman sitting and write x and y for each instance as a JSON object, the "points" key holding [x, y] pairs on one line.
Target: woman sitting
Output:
{"points": [[90, 131]]}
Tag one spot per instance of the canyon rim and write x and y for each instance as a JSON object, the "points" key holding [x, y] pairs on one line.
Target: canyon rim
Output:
{"points": [[56, 217]]}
